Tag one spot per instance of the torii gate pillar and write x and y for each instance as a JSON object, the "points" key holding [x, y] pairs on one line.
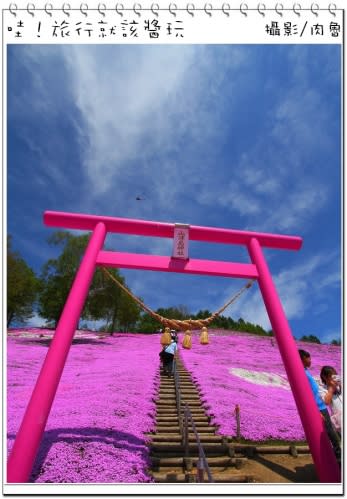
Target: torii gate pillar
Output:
{"points": [[311, 419], [28, 438]]}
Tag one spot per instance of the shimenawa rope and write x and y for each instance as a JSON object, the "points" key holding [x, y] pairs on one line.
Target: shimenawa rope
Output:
{"points": [[177, 324]]}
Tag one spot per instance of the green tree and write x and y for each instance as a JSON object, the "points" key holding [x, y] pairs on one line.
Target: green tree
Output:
{"points": [[58, 274], [203, 314], [180, 313], [183, 311], [129, 313], [220, 322], [310, 338], [108, 301], [105, 301], [147, 324], [22, 286], [336, 342]]}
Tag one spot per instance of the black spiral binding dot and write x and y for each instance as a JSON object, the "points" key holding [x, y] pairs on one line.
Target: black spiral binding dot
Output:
{"points": [[48, 9], [261, 9], [102, 9], [84, 9], [226, 9], [155, 9], [297, 9], [315, 9], [332, 8], [137, 9], [66, 9], [13, 9], [172, 9], [244, 9], [119, 9], [190, 9], [208, 9], [279, 9]]}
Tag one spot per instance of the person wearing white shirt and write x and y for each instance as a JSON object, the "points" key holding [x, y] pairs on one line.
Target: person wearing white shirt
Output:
{"points": [[168, 357], [331, 393]]}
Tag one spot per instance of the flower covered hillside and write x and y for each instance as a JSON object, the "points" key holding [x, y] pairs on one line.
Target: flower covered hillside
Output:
{"points": [[104, 406], [247, 370], [105, 403]]}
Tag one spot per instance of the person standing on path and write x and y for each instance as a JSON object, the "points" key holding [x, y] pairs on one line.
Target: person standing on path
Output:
{"points": [[169, 356]]}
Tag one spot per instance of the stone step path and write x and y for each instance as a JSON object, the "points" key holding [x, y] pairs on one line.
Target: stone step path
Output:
{"points": [[169, 463]]}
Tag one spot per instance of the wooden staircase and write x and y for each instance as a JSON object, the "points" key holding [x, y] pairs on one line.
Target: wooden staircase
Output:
{"points": [[168, 457]]}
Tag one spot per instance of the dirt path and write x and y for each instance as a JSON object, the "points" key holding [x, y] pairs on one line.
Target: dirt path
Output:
{"points": [[281, 468]]}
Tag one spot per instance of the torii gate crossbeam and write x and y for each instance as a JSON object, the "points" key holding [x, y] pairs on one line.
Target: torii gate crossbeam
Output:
{"points": [[168, 264], [29, 435]]}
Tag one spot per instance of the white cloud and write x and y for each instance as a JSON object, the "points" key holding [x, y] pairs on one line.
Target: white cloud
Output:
{"points": [[298, 288], [235, 197], [276, 183], [140, 106], [292, 129], [256, 177], [252, 309], [328, 336], [138, 103]]}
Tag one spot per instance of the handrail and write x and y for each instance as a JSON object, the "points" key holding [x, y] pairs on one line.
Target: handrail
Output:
{"points": [[178, 396], [202, 463]]}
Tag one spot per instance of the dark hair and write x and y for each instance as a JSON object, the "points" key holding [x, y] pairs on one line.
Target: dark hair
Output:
{"points": [[303, 354], [326, 371]]}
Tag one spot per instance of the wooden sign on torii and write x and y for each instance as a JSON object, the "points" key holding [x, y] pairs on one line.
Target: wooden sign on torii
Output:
{"points": [[28, 438]]}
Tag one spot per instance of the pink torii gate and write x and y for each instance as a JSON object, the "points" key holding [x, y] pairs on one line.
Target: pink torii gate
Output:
{"points": [[28, 438]]}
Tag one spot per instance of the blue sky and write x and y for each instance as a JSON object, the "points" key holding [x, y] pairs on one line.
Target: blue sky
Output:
{"points": [[242, 137]]}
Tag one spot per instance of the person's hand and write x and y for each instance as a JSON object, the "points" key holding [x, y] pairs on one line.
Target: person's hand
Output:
{"points": [[333, 383], [337, 380]]}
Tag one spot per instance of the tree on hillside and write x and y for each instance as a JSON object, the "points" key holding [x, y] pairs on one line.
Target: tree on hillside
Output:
{"points": [[107, 301], [129, 313], [203, 314], [147, 323], [180, 312], [58, 274], [310, 338], [221, 322], [336, 342], [22, 286]]}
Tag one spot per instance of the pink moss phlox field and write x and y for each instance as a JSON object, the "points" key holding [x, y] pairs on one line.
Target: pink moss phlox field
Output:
{"points": [[104, 405], [247, 370]]}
